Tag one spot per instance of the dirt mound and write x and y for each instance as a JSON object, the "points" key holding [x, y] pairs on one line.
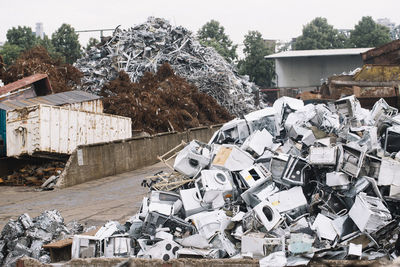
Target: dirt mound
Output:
{"points": [[63, 77], [161, 102]]}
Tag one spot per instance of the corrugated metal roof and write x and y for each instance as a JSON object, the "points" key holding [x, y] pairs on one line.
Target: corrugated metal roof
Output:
{"points": [[54, 100], [320, 53]]}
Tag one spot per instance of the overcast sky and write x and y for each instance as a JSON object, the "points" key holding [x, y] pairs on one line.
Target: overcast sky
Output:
{"points": [[280, 19]]}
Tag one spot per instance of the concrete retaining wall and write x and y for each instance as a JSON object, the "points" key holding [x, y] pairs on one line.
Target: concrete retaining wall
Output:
{"points": [[100, 160]]}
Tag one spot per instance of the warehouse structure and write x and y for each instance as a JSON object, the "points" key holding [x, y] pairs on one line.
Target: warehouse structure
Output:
{"points": [[306, 69]]}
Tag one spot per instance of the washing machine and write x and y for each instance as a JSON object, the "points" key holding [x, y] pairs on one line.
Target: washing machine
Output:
{"points": [[212, 183]]}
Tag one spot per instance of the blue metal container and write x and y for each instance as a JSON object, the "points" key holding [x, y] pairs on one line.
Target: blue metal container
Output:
{"points": [[3, 148]]}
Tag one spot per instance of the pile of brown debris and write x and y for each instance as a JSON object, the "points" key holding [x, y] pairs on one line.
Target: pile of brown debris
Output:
{"points": [[161, 102], [44, 175], [63, 77]]}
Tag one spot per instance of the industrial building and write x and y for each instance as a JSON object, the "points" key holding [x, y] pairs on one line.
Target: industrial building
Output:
{"points": [[307, 69]]}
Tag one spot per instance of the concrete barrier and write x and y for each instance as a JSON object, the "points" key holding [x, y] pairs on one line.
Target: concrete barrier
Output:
{"points": [[90, 162]]}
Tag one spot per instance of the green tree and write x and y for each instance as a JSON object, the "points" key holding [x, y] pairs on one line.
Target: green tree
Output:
{"points": [[367, 33], [92, 42], [48, 45], [65, 42], [22, 37], [318, 34], [260, 70], [213, 34], [10, 52]]}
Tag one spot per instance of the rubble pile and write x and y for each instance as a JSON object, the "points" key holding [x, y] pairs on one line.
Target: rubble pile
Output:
{"points": [[145, 47], [161, 102], [63, 77], [26, 236], [43, 175], [284, 184]]}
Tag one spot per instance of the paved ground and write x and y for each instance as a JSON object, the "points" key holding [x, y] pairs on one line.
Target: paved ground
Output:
{"points": [[94, 203]]}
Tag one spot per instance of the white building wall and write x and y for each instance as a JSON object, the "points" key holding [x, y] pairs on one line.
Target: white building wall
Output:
{"points": [[303, 72]]}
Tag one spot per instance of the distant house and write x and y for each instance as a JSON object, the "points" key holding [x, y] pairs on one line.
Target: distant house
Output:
{"points": [[306, 69]]}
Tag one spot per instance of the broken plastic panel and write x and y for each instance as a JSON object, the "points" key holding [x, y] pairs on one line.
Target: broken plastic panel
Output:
{"points": [[337, 179], [266, 118], [165, 250], [300, 117], [259, 192], [257, 245], [165, 202], [195, 253], [389, 172], [277, 165], [369, 213], [355, 250], [194, 241], [285, 105], [253, 174], [234, 131], [208, 223], [267, 214], [295, 171], [300, 243], [325, 119], [324, 227], [381, 110], [392, 140], [232, 158], [191, 200], [353, 159], [369, 136], [332, 205], [221, 242], [345, 227], [193, 158], [257, 142], [372, 166], [291, 148], [117, 246], [348, 106], [288, 200], [107, 230], [84, 246], [176, 225], [323, 155], [214, 183]]}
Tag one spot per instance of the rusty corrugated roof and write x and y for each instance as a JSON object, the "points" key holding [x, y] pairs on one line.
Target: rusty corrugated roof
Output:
{"points": [[35, 79]]}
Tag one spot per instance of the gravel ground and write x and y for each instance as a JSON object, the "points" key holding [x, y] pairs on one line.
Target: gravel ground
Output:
{"points": [[93, 203]]}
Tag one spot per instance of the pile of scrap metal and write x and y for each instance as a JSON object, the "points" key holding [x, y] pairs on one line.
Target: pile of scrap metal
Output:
{"points": [[284, 184], [43, 175], [145, 47], [26, 236], [368, 84]]}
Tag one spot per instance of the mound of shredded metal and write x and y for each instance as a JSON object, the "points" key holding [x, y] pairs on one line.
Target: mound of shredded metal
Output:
{"points": [[26, 236], [145, 47]]}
